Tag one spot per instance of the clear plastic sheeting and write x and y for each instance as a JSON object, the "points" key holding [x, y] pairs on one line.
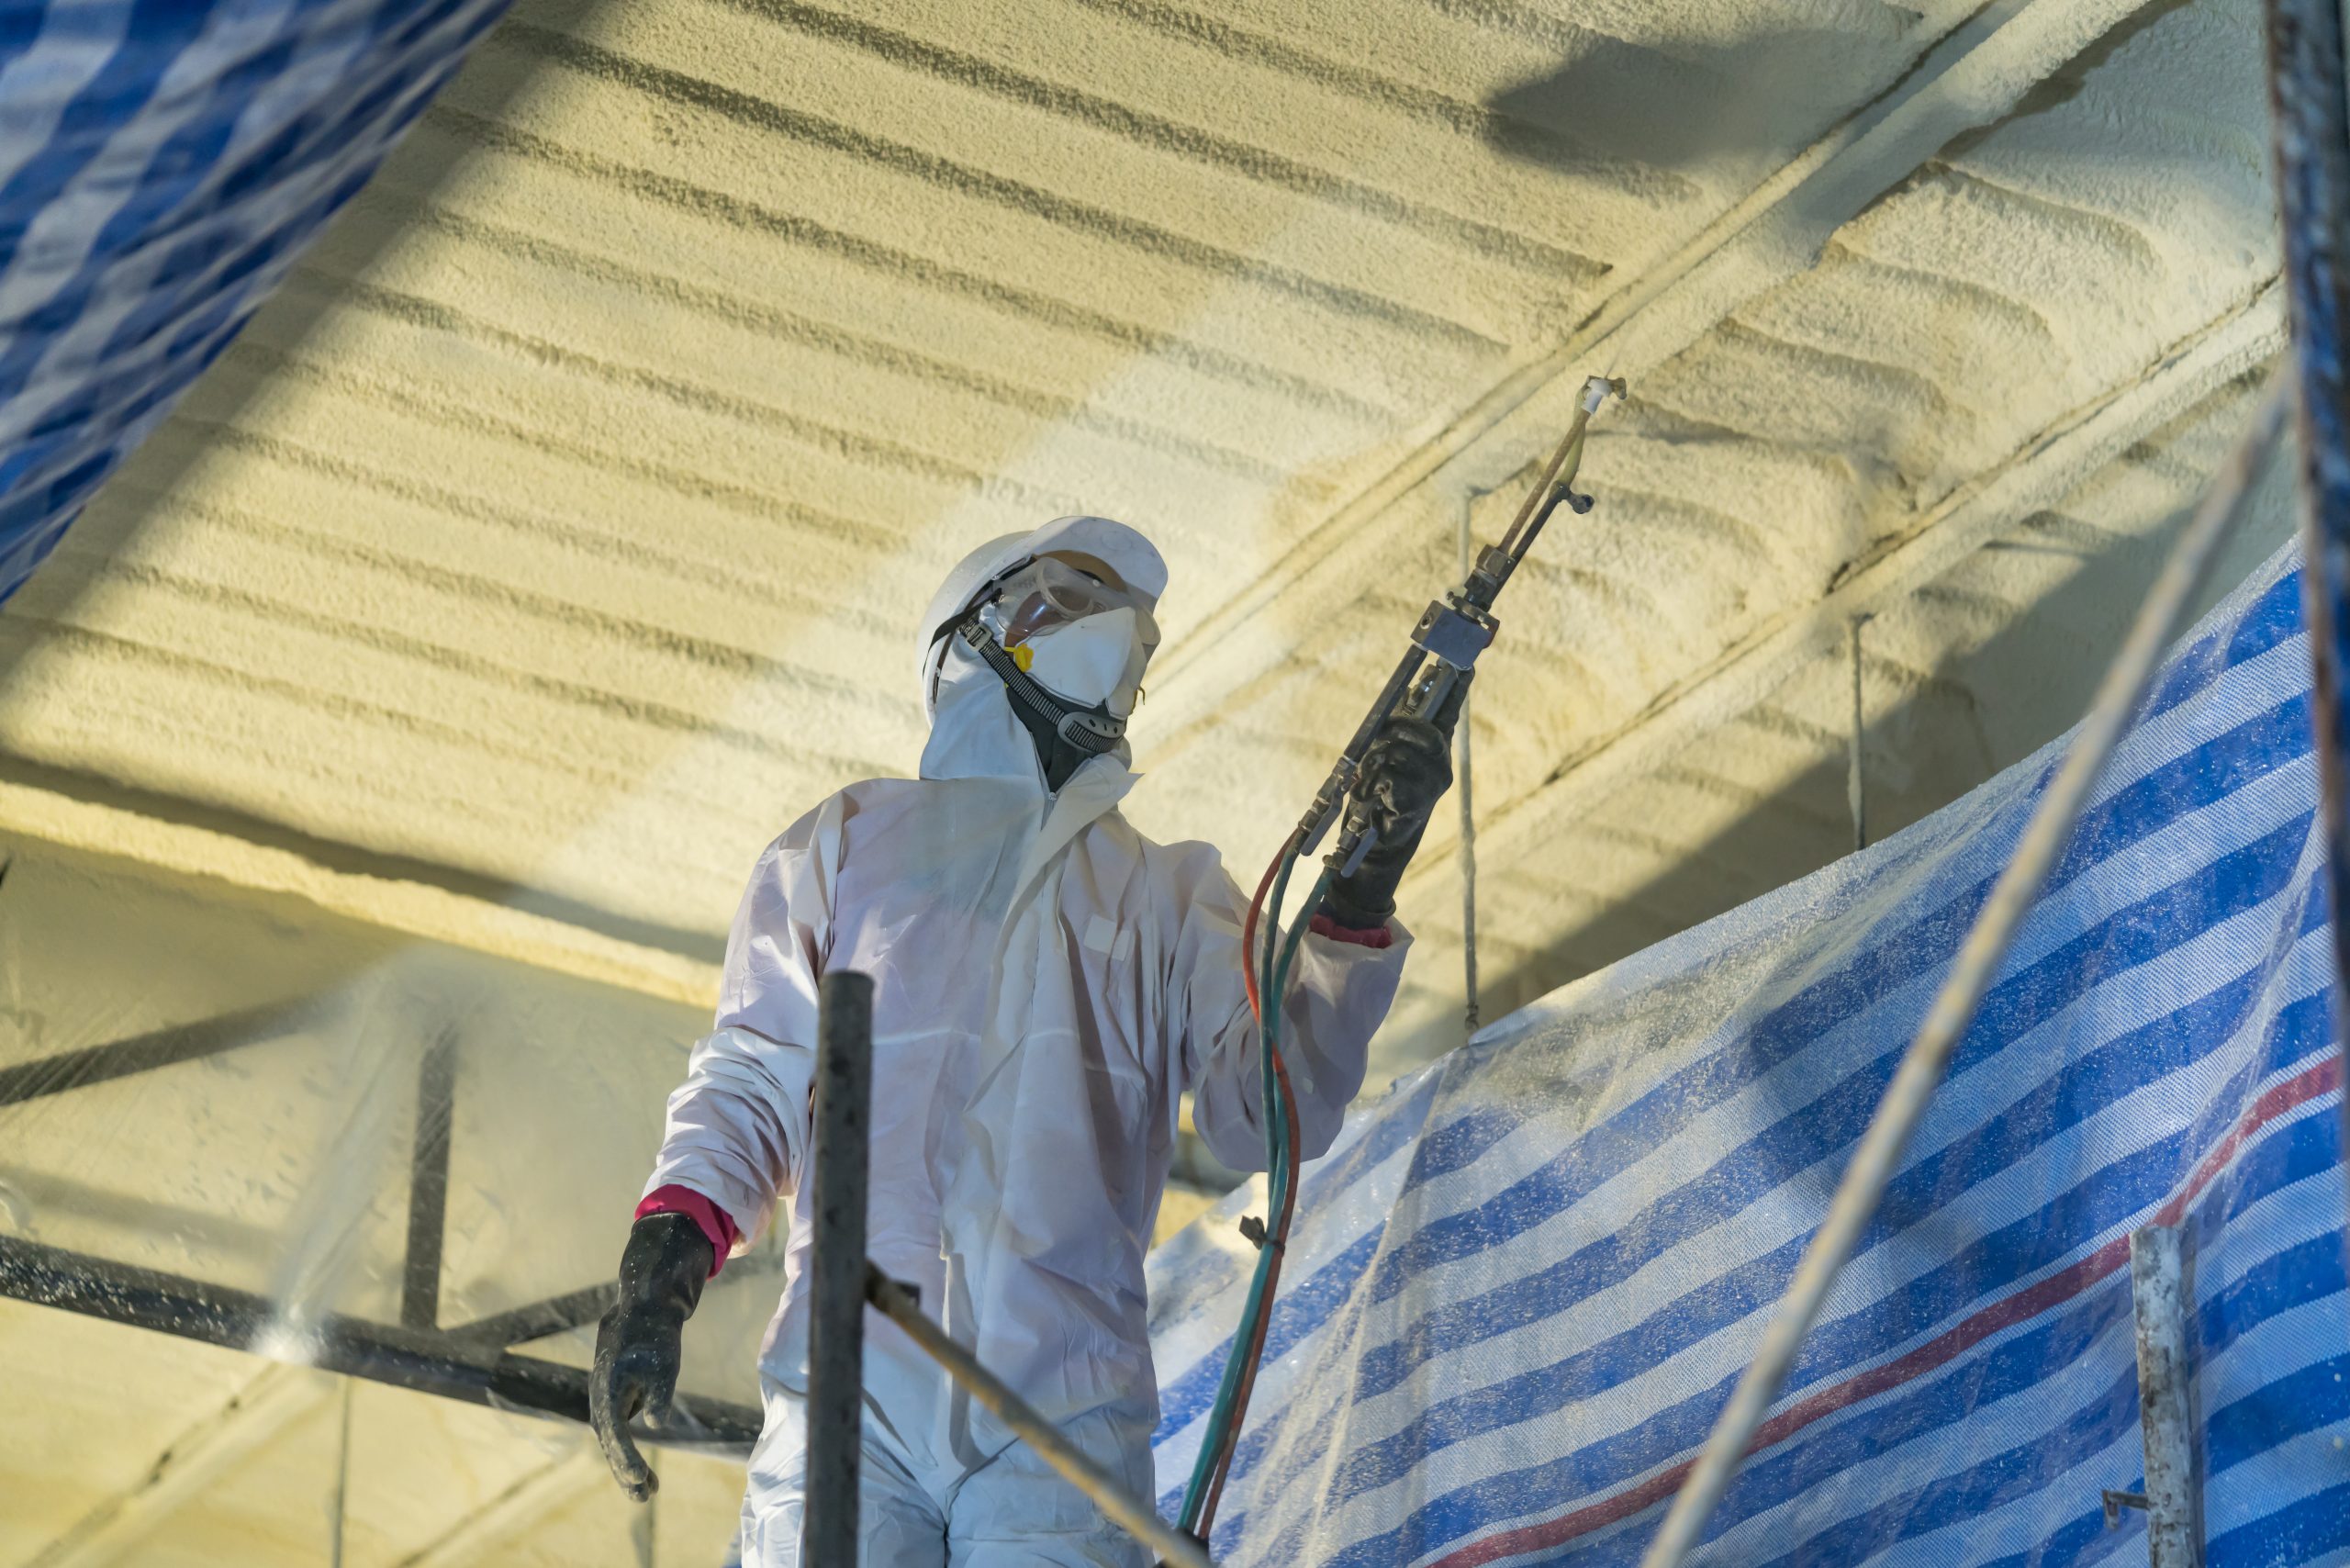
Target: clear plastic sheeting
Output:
{"points": [[1526, 1282], [242, 1140]]}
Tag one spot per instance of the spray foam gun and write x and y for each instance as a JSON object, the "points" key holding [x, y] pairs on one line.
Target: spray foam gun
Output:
{"points": [[1445, 645], [1451, 634]]}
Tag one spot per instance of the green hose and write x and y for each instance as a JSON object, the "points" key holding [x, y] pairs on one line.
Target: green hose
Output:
{"points": [[1280, 1162], [1276, 1136]]}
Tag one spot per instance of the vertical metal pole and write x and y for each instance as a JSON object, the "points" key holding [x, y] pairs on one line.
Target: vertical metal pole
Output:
{"points": [[2166, 1405], [428, 1185], [2312, 135], [1468, 812], [836, 1269], [342, 1480], [1853, 792]]}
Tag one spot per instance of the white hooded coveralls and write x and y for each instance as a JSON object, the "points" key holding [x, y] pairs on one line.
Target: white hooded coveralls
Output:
{"points": [[1046, 984]]}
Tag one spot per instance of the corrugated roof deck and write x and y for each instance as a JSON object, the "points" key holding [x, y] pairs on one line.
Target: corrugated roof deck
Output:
{"points": [[558, 533], [565, 520]]}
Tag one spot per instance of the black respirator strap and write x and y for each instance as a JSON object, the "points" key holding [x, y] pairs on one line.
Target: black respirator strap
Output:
{"points": [[1088, 730], [981, 597]]}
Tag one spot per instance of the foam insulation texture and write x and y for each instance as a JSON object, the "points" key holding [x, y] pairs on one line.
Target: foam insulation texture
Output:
{"points": [[556, 536], [557, 533], [565, 520], [2003, 292], [1962, 676]]}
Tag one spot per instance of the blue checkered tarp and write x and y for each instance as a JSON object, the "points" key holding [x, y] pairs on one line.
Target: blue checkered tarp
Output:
{"points": [[161, 163], [1526, 1281]]}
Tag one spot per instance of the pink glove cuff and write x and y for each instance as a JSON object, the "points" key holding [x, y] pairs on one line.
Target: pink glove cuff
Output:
{"points": [[1324, 926], [708, 1217]]}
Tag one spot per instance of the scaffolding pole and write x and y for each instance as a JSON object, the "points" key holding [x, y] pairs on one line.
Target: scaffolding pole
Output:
{"points": [[837, 1270], [1971, 972], [427, 1184], [841, 1281], [424, 1360], [2310, 123], [1855, 786], [1468, 811], [2162, 1306]]}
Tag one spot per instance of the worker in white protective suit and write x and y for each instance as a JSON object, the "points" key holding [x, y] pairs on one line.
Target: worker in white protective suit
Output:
{"points": [[1046, 984]]}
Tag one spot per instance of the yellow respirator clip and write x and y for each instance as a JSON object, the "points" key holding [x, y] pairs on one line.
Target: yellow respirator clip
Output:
{"points": [[1022, 656]]}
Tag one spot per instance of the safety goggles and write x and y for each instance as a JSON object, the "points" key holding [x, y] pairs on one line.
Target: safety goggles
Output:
{"points": [[1048, 592]]}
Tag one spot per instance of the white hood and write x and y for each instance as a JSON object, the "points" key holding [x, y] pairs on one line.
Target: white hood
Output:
{"points": [[973, 732]]}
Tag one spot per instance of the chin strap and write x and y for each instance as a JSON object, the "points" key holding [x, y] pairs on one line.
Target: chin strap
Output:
{"points": [[1084, 732]]}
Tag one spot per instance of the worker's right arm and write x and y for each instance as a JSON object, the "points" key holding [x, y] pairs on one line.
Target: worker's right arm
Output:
{"points": [[737, 1133], [737, 1127]]}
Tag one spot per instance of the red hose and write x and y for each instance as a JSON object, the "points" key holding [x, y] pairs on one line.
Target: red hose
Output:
{"points": [[1249, 934], [1279, 1238], [1279, 1242]]}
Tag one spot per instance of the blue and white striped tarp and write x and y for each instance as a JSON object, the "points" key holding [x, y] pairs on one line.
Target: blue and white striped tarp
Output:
{"points": [[1526, 1281], [162, 162]]}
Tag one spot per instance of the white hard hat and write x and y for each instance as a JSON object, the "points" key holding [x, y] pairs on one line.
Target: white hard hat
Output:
{"points": [[1127, 553]]}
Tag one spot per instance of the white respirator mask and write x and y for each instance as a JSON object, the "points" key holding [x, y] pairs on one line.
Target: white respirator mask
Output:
{"points": [[1071, 650], [1096, 661]]}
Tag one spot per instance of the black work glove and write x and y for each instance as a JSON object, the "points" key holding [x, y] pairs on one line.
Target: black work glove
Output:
{"points": [[663, 1269], [1403, 774]]}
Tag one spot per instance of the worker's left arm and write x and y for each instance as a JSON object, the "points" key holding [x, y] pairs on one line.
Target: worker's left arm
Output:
{"points": [[1339, 989], [1347, 966]]}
